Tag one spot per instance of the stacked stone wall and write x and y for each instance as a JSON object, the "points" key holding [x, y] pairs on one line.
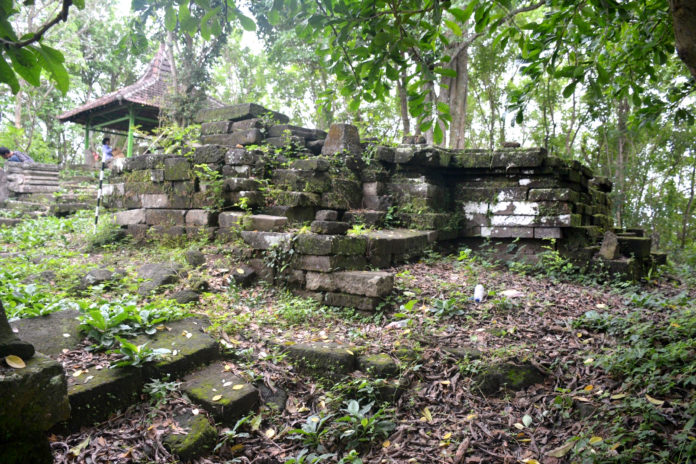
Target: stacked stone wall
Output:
{"points": [[256, 180]]}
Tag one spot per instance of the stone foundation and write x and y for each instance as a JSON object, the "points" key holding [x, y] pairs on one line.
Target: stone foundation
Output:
{"points": [[264, 177]]}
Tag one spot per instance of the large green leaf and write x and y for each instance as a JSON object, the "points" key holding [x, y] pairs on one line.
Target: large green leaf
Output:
{"points": [[52, 61]]}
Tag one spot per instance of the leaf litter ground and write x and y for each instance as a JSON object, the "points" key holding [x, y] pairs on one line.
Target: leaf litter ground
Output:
{"points": [[440, 416]]}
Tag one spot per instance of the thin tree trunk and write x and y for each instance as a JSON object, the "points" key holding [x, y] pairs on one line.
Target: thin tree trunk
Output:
{"points": [[622, 117], [459, 94], [687, 211], [403, 101], [683, 20]]}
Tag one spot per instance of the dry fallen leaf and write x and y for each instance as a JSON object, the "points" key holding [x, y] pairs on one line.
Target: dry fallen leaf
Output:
{"points": [[15, 362], [595, 440], [561, 450], [239, 386], [270, 433], [654, 401], [217, 397]]}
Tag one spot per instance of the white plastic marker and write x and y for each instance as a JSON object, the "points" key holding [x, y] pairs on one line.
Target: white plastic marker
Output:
{"points": [[479, 293]]}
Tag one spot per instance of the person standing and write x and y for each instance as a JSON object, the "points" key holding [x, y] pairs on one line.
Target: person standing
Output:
{"points": [[15, 156], [107, 151]]}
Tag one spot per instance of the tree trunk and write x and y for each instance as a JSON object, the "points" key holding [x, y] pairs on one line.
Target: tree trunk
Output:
{"points": [[622, 119], [459, 93], [687, 211], [403, 102], [18, 110], [683, 21]]}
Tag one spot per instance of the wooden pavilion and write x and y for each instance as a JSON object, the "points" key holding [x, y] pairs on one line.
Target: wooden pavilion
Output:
{"points": [[138, 104]]}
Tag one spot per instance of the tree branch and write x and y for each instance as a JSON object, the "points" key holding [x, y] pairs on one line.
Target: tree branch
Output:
{"points": [[61, 16]]}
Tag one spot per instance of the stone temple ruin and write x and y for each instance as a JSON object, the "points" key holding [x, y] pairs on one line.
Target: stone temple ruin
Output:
{"points": [[39, 189], [256, 180]]}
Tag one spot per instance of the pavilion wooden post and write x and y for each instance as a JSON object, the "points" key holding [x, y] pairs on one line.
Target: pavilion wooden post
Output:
{"points": [[131, 129]]}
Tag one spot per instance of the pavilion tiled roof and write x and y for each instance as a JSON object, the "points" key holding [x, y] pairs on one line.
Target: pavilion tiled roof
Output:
{"points": [[150, 90]]}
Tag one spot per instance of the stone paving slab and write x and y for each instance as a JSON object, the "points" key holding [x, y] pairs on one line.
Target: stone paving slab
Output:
{"points": [[226, 396]]}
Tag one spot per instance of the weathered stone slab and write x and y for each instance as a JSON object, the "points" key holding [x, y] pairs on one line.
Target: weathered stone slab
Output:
{"points": [[508, 376], [396, 241], [342, 137], [238, 113], [610, 246], [368, 217], [177, 169], [377, 203], [326, 215], [378, 365], [328, 263], [329, 227], [507, 232], [283, 130], [201, 217], [327, 358], [247, 137], [33, 398], [548, 232], [158, 275], [216, 127], [344, 194], [210, 154], [52, 333], [295, 214], [297, 199], [560, 194], [304, 181], [165, 217], [189, 344], [236, 184], [364, 283], [635, 246], [344, 300], [95, 394], [194, 437], [313, 244], [218, 391], [240, 156], [267, 240], [247, 124], [133, 216], [311, 164]]}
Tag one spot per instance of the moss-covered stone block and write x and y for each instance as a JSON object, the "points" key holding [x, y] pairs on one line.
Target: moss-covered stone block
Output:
{"points": [[314, 244], [378, 365], [33, 398], [327, 358], [95, 394], [239, 112], [52, 333], [217, 390], [197, 439], [508, 376]]}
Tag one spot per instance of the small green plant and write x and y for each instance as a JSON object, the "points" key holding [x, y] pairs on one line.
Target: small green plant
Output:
{"points": [[313, 432], [177, 140], [137, 355], [278, 258], [211, 183], [305, 457], [359, 427], [160, 389], [359, 229], [229, 435], [446, 308]]}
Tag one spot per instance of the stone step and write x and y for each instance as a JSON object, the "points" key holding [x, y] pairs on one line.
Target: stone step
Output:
{"points": [[96, 393], [635, 246], [385, 247], [226, 396], [9, 222], [257, 222]]}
